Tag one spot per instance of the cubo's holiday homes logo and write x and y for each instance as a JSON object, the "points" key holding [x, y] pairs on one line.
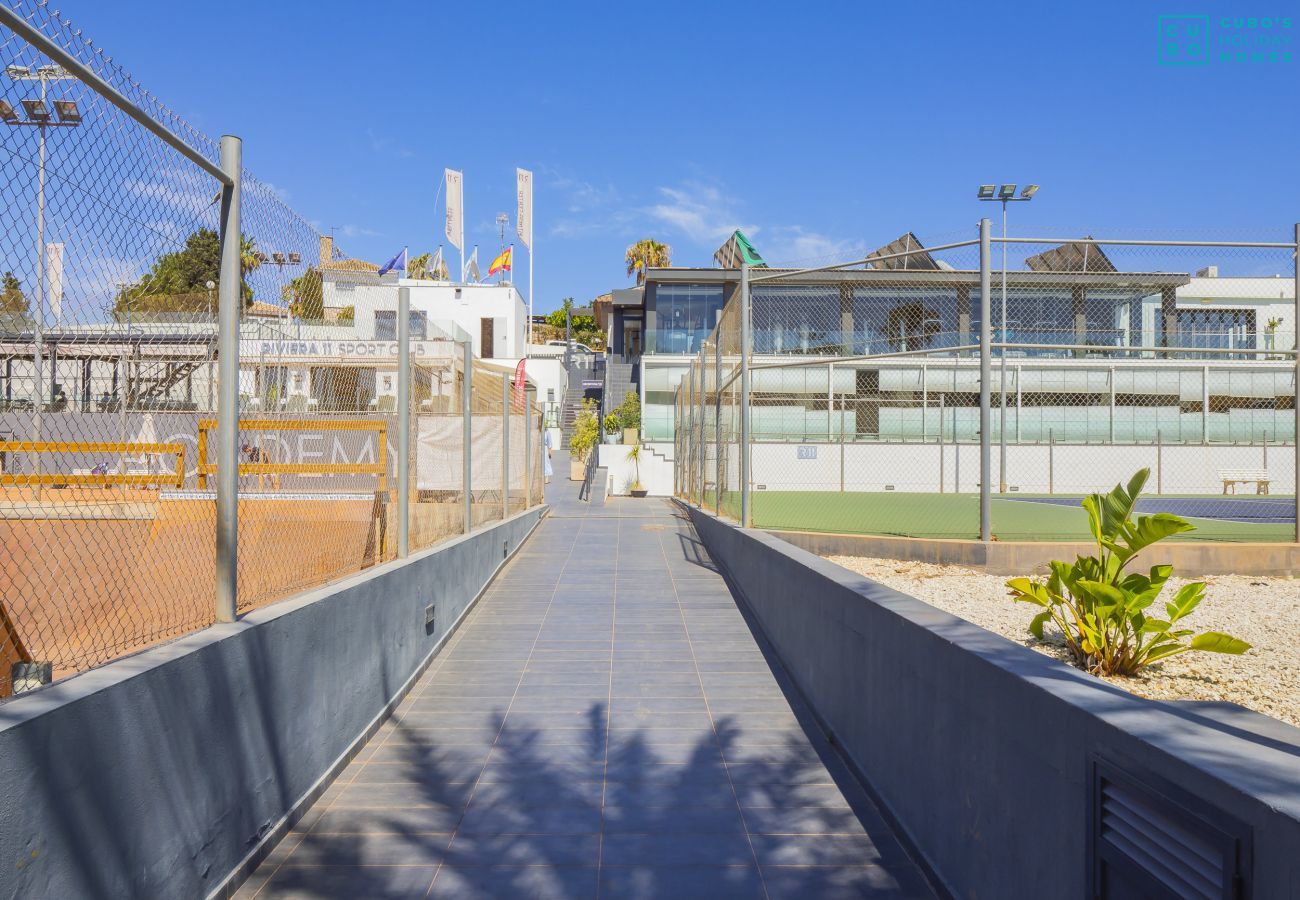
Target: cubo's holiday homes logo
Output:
{"points": [[1202, 40]]}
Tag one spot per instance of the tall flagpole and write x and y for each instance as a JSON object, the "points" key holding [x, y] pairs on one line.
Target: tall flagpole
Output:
{"points": [[532, 248]]}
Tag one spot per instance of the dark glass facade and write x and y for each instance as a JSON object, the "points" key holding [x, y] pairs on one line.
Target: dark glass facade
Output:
{"points": [[683, 316]]}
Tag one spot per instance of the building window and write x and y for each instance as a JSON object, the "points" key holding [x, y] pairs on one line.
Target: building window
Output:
{"points": [[684, 316], [386, 324]]}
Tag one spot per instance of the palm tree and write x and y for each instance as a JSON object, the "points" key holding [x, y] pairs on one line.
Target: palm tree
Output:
{"points": [[250, 259], [647, 253]]}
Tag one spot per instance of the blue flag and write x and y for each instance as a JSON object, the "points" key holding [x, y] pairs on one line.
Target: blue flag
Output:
{"points": [[398, 261]]}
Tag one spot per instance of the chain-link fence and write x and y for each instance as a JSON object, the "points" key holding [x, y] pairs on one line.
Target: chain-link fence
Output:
{"points": [[943, 393], [118, 342]]}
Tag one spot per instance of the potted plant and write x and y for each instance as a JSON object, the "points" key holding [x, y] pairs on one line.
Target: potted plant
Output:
{"points": [[586, 434], [629, 413], [613, 426], [636, 489]]}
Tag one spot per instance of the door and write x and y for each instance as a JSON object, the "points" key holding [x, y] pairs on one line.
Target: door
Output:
{"points": [[632, 340], [486, 339]]}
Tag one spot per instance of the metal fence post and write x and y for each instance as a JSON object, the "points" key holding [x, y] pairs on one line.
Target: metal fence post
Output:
{"points": [[528, 449], [744, 395], [403, 422], [717, 427], [230, 300], [1295, 368], [986, 372], [704, 448], [467, 433], [505, 446]]}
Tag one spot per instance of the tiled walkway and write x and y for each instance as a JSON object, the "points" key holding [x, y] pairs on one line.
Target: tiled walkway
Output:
{"points": [[604, 724]]}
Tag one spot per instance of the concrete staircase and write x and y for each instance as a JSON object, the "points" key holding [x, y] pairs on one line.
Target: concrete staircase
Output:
{"points": [[621, 378], [569, 409]]}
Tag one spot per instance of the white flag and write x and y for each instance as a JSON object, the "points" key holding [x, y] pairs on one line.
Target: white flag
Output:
{"points": [[438, 268], [54, 278], [474, 276], [524, 210], [455, 214]]}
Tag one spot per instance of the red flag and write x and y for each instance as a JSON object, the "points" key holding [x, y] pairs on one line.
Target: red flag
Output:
{"points": [[521, 383]]}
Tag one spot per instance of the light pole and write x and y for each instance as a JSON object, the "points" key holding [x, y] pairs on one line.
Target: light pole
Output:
{"points": [[1004, 194], [38, 116]]}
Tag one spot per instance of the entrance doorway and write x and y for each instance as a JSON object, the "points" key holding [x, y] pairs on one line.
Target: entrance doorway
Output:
{"points": [[486, 338]]}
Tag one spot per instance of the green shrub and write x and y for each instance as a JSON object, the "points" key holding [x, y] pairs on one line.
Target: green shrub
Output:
{"points": [[586, 430], [613, 424], [1102, 611], [629, 411]]}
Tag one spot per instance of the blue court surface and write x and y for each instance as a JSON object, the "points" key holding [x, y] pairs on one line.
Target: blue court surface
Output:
{"points": [[1254, 508]]}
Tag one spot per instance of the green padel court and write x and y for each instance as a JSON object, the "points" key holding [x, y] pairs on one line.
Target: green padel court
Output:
{"points": [[1014, 517]]}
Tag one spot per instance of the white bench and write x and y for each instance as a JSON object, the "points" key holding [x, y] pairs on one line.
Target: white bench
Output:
{"points": [[1233, 477]]}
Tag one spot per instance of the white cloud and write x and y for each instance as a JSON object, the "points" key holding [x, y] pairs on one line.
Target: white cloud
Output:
{"points": [[701, 212], [795, 244]]}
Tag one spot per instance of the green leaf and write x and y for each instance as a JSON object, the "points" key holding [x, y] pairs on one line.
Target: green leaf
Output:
{"points": [[1187, 599], [1149, 529], [1155, 626], [1036, 626], [1027, 591], [1218, 642], [1164, 650]]}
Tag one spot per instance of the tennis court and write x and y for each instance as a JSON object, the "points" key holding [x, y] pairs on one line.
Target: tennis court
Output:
{"points": [[1014, 517]]}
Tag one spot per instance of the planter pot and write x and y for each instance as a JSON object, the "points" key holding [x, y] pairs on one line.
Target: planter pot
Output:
{"points": [[639, 492], [577, 470], [631, 437], [611, 439]]}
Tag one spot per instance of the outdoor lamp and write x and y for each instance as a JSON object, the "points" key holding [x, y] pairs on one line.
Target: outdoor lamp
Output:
{"points": [[986, 192], [1029, 192], [67, 111], [18, 71], [1007, 191], [7, 112], [37, 111], [294, 258], [278, 258]]}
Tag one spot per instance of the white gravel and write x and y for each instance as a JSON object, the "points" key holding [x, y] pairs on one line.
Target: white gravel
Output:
{"points": [[1264, 612]]}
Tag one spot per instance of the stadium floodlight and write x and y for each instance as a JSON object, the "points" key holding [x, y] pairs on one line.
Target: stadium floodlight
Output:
{"points": [[37, 111], [294, 258], [67, 112], [7, 112], [18, 71], [278, 258], [1006, 193]]}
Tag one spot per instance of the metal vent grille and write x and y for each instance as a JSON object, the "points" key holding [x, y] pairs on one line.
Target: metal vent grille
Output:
{"points": [[1151, 841]]}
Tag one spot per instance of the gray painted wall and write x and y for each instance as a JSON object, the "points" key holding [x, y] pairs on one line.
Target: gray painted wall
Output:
{"points": [[980, 748], [156, 775]]}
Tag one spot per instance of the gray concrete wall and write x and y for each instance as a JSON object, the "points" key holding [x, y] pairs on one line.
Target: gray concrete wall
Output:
{"points": [[980, 748], [1193, 558], [159, 774]]}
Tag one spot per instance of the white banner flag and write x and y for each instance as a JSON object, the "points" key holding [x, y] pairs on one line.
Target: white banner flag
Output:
{"points": [[524, 210], [54, 279], [455, 214]]}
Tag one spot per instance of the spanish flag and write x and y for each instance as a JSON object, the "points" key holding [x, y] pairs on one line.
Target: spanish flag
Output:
{"points": [[501, 263]]}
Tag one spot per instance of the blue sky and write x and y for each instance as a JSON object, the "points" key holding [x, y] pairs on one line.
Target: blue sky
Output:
{"points": [[821, 128]]}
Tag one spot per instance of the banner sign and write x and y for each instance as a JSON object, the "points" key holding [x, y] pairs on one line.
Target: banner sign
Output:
{"points": [[521, 384], [455, 213], [54, 278], [524, 209], [270, 352]]}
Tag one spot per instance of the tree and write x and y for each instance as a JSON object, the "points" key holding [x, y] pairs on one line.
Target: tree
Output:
{"points": [[911, 326], [14, 305], [647, 253], [177, 282], [305, 295], [418, 267]]}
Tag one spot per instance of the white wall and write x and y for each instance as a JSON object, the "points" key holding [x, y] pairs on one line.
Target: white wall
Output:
{"points": [[464, 305], [656, 471], [1035, 468]]}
